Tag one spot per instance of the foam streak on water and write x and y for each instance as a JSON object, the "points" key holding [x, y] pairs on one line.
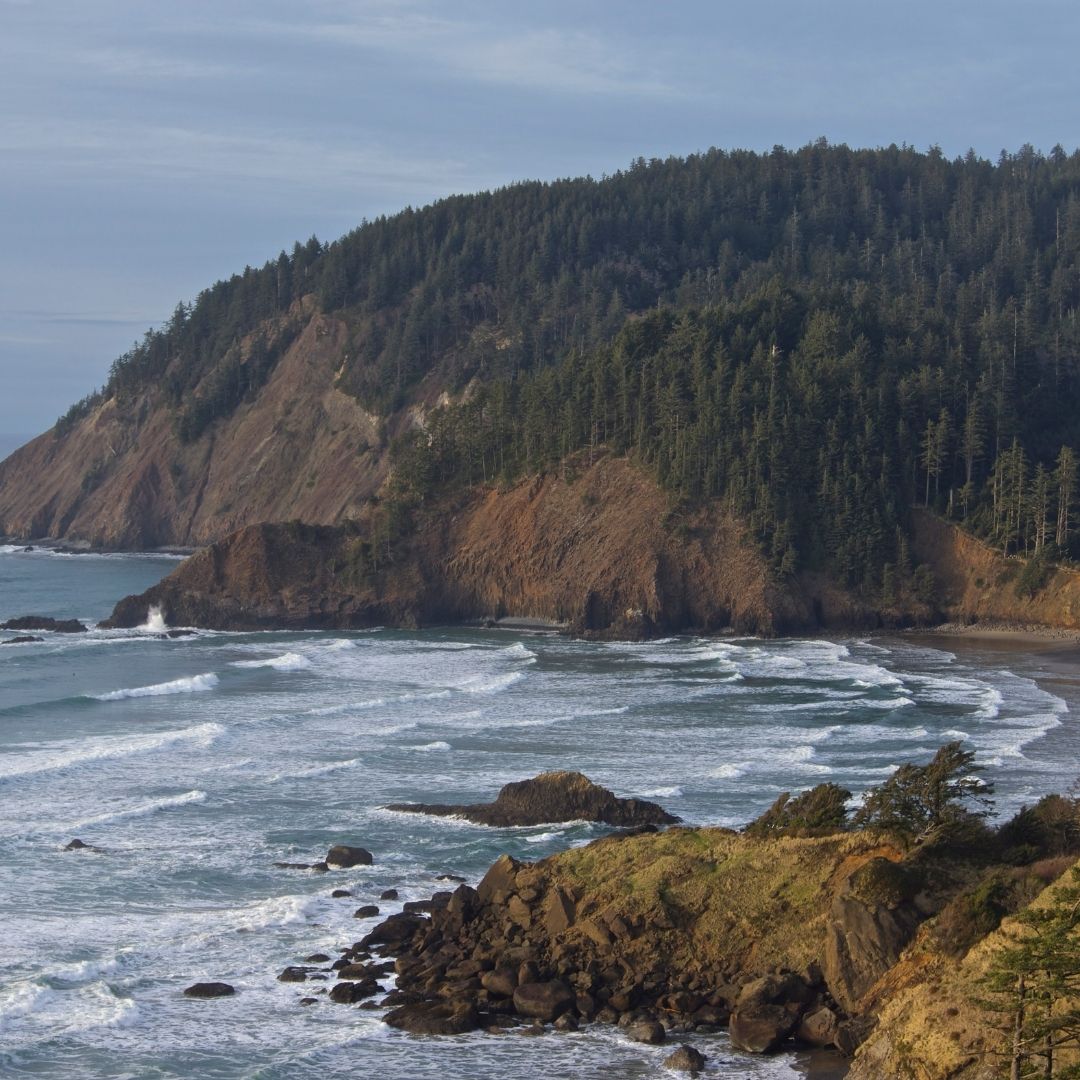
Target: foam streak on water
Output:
{"points": [[194, 764]]}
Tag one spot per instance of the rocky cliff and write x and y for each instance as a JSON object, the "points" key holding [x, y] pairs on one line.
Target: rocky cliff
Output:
{"points": [[976, 583], [123, 478], [599, 550]]}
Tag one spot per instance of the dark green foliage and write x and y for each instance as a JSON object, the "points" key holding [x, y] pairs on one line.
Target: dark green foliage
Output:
{"points": [[77, 412], [1033, 577], [1051, 827], [978, 911], [817, 812], [821, 338], [237, 378], [923, 803]]}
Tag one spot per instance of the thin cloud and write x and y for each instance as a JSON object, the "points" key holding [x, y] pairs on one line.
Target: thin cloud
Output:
{"points": [[555, 60], [154, 151]]}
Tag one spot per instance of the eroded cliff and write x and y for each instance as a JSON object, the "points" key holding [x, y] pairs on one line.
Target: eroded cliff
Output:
{"points": [[123, 478], [600, 550]]}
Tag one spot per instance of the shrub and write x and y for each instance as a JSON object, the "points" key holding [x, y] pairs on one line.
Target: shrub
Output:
{"points": [[821, 810]]}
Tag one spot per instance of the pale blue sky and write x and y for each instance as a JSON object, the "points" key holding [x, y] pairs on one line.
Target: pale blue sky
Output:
{"points": [[148, 148]]}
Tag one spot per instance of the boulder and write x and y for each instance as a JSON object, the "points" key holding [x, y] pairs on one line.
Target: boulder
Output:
{"points": [[544, 1000], [368, 911], [78, 845], [293, 974], [349, 992], [434, 1018], [559, 912], [342, 856], [43, 622], [552, 797], [851, 1034], [686, 1059], [21, 639], [209, 990], [773, 990], [395, 930], [818, 1028], [500, 882], [388, 894], [646, 1031], [340, 894], [761, 1029], [502, 982], [317, 958]]}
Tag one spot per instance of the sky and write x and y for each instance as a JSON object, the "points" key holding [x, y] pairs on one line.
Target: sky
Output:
{"points": [[148, 149]]}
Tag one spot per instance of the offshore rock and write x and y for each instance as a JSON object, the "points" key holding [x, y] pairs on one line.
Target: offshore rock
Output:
{"points": [[342, 856], [686, 1059], [209, 990], [552, 797], [44, 622]]}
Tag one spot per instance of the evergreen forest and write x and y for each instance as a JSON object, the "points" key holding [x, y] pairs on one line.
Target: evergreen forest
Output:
{"points": [[823, 338]]}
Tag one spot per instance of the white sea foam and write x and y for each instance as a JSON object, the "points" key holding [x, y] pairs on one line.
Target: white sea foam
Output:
{"points": [[155, 621], [316, 770], [190, 685], [432, 747], [378, 703], [730, 771], [21, 1000], [169, 802], [517, 651], [662, 792], [289, 661], [71, 753], [490, 684]]}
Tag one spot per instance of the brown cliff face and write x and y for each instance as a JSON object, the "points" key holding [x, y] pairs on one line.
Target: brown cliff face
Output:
{"points": [[121, 477], [597, 552], [976, 583]]}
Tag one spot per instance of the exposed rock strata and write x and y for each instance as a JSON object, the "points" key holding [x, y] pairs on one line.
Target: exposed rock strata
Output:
{"points": [[601, 553], [552, 797]]}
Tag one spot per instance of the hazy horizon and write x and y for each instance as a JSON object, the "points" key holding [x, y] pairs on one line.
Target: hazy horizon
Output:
{"points": [[149, 152]]}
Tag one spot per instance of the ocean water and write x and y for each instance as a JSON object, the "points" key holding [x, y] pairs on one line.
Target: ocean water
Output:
{"points": [[196, 763]]}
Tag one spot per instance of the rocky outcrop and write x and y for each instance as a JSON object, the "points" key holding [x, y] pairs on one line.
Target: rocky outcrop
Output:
{"points": [[664, 934], [210, 990], [342, 857], [599, 551], [871, 920], [552, 797], [44, 622]]}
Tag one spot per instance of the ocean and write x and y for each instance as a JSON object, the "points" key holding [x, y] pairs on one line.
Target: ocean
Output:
{"points": [[196, 763]]}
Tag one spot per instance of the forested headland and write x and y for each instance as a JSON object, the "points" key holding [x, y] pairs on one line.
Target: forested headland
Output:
{"points": [[822, 339]]}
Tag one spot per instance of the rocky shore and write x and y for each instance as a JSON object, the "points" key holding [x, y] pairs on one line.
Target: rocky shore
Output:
{"points": [[668, 934]]}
